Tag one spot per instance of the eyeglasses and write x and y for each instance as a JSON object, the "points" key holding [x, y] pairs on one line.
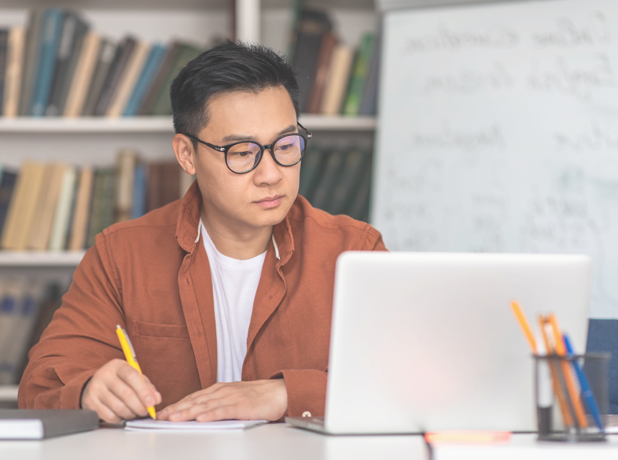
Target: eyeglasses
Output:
{"points": [[244, 156]]}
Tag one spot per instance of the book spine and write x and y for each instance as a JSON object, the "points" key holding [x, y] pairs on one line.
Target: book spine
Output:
{"points": [[63, 210], [139, 191], [126, 172], [7, 185], [104, 62], [118, 66], [357, 82], [127, 83], [153, 63], [31, 60], [50, 39], [82, 208], [82, 75], [12, 87], [4, 51]]}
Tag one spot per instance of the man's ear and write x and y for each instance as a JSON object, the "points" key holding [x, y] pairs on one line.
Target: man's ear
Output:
{"points": [[185, 153]]}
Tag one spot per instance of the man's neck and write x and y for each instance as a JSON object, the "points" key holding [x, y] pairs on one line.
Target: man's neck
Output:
{"points": [[241, 245]]}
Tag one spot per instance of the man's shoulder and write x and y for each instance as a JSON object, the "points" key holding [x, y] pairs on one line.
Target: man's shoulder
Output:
{"points": [[163, 219], [308, 222]]}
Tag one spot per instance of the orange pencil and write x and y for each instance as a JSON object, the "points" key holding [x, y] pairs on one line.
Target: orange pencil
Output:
{"points": [[564, 408], [568, 376], [525, 326]]}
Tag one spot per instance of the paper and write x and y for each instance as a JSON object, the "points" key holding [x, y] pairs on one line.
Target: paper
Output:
{"points": [[163, 425]]}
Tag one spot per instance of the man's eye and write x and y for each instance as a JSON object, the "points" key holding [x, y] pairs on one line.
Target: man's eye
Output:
{"points": [[284, 147]]}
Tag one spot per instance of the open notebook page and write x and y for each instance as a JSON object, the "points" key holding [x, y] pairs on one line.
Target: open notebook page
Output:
{"points": [[163, 425]]}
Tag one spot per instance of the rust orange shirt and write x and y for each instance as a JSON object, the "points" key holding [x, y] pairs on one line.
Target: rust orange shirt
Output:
{"points": [[152, 277]]}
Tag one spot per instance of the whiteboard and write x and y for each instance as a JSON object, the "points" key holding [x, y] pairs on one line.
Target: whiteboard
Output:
{"points": [[498, 132]]}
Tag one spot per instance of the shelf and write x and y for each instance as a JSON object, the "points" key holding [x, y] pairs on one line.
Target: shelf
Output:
{"points": [[40, 258], [157, 124], [8, 392]]}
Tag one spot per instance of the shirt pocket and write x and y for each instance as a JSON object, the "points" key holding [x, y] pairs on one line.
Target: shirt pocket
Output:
{"points": [[165, 355]]}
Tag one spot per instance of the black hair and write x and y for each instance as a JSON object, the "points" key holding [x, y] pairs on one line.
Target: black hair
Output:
{"points": [[227, 68]]}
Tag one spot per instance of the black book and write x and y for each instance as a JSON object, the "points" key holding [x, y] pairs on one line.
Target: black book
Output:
{"points": [[104, 61], [119, 63], [356, 162], [312, 27], [74, 30], [7, 185], [18, 423], [4, 43], [333, 170]]}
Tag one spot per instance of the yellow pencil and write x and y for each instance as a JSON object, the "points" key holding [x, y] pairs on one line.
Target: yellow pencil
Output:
{"points": [[129, 354], [525, 326]]}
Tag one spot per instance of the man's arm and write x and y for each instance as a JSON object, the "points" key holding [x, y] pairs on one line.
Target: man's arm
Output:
{"points": [[79, 342]]}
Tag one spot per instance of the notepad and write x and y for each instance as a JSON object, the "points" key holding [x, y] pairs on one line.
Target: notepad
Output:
{"points": [[163, 425]]}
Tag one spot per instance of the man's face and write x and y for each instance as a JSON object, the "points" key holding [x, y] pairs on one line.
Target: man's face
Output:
{"points": [[262, 197]]}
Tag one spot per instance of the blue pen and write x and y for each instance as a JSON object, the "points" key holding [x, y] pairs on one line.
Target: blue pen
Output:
{"points": [[583, 381]]}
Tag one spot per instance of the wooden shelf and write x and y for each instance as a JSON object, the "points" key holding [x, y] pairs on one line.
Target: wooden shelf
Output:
{"points": [[8, 392], [40, 258], [31, 125]]}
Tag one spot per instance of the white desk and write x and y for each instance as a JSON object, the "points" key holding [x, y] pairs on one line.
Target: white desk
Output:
{"points": [[268, 442], [280, 441]]}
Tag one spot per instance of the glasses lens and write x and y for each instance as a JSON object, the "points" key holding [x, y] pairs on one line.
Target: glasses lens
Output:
{"points": [[243, 157], [289, 149]]}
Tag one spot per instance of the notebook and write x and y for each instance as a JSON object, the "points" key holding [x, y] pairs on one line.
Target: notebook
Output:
{"points": [[45, 423], [163, 425]]}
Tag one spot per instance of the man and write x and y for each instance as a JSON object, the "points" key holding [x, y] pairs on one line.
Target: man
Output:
{"points": [[225, 294]]}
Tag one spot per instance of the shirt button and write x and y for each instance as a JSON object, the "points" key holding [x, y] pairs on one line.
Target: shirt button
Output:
{"points": [[306, 414]]}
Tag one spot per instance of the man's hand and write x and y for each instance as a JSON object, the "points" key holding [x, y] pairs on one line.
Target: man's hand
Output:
{"points": [[259, 399], [118, 392]]}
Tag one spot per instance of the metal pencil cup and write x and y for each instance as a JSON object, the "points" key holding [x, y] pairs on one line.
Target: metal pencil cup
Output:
{"points": [[572, 396]]}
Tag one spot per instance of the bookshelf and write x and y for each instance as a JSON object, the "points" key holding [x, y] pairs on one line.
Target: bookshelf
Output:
{"points": [[95, 141], [29, 125]]}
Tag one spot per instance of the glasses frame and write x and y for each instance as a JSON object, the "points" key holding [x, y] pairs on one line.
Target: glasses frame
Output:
{"points": [[225, 148]]}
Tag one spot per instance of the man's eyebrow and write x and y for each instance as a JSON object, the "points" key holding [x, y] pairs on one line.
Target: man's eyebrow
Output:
{"points": [[241, 137]]}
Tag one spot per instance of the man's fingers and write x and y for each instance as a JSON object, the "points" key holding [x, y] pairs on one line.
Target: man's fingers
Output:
{"points": [[220, 413], [127, 395], [118, 407], [104, 412], [191, 413], [145, 390]]}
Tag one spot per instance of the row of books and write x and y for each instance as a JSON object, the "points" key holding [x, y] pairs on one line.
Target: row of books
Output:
{"points": [[337, 181], [58, 206], [58, 66], [26, 309], [333, 78]]}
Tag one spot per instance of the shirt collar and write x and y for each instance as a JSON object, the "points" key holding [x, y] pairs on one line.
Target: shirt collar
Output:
{"points": [[188, 227]]}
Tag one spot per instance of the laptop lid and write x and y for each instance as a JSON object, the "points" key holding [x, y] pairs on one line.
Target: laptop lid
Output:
{"points": [[427, 341]]}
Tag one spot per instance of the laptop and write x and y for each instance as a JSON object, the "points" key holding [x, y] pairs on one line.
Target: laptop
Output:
{"points": [[427, 341]]}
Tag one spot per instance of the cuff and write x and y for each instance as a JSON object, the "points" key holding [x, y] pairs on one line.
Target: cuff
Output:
{"points": [[306, 389]]}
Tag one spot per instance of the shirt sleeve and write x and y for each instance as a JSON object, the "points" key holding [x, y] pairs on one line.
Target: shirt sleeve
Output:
{"points": [[78, 340]]}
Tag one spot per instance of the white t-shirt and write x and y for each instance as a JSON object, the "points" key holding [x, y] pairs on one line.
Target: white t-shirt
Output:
{"points": [[234, 284]]}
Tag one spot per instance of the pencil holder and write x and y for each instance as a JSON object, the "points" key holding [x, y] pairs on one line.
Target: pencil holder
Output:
{"points": [[572, 396]]}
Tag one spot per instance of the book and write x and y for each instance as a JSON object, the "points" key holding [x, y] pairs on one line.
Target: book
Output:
{"points": [[57, 238], [170, 182], [46, 206], [297, 7], [359, 208], [52, 299], [15, 348], [109, 199], [116, 70], [12, 83], [337, 79], [153, 187], [369, 100], [107, 50], [128, 80], [162, 104], [138, 208], [312, 26], [311, 168], [126, 162], [22, 207], [329, 41], [31, 60], [96, 207], [333, 169], [356, 162], [45, 423], [4, 51], [157, 83], [48, 49], [149, 72], [9, 288], [192, 426], [82, 75], [359, 74], [7, 185], [74, 28], [79, 224]]}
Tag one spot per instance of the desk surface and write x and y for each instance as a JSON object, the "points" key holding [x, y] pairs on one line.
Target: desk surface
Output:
{"points": [[280, 441]]}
